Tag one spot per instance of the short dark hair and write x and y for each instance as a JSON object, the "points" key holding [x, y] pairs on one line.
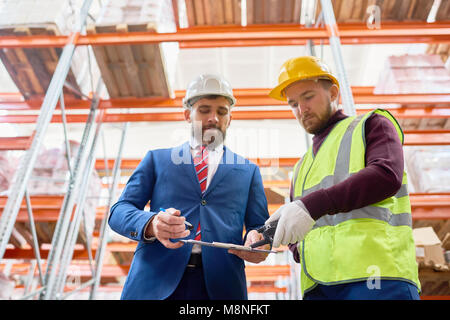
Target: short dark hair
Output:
{"points": [[326, 83], [208, 96]]}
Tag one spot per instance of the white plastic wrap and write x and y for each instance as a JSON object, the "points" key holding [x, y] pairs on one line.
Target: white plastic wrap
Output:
{"points": [[428, 169], [423, 73], [60, 15], [7, 169], [50, 176], [6, 287]]}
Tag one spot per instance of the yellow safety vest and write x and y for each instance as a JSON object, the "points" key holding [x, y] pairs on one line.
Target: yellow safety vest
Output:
{"points": [[374, 241]]}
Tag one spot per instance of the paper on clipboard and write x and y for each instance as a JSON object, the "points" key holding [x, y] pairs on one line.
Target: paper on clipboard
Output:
{"points": [[226, 246]]}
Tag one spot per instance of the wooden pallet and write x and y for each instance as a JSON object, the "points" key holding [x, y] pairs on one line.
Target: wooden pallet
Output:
{"points": [[434, 279], [122, 258], [425, 123], [213, 12], [228, 12], [273, 11], [442, 49], [44, 231], [443, 13], [41, 205], [32, 69], [351, 11], [131, 70]]}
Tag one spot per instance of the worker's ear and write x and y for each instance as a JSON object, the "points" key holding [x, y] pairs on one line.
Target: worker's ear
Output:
{"points": [[334, 92], [187, 115]]}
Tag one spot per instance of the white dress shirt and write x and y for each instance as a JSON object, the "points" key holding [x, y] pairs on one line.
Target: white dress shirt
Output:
{"points": [[214, 157]]}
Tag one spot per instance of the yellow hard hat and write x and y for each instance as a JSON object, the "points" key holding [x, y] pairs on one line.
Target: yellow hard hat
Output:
{"points": [[300, 68]]}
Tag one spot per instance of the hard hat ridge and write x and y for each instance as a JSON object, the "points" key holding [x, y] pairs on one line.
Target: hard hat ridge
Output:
{"points": [[206, 85]]}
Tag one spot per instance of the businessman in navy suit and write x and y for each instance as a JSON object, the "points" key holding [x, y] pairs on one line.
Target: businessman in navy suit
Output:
{"points": [[202, 182]]}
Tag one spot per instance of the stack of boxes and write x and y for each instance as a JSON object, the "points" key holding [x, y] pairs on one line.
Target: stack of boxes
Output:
{"points": [[428, 169], [31, 69], [142, 70], [409, 74]]}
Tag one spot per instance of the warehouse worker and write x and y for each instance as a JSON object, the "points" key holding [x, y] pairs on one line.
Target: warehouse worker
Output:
{"points": [[203, 183], [349, 219]]}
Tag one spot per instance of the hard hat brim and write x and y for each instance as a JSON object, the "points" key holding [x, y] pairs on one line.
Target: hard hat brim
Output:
{"points": [[278, 92], [188, 103]]}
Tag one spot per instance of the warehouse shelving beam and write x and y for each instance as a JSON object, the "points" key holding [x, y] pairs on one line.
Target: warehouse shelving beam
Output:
{"points": [[26, 165], [253, 35], [248, 97]]}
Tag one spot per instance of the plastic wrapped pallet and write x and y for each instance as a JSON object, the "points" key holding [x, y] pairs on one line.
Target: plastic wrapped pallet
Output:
{"points": [[6, 287], [142, 70], [7, 169], [31, 69], [414, 74], [50, 176], [428, 169]]}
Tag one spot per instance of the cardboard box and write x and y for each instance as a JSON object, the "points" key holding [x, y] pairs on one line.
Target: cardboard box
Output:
{"points": [[446, 242], [428, 246]]}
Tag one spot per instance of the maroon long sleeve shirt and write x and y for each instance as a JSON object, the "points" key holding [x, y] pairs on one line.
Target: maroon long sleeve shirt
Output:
{"points": [[380, 179]]}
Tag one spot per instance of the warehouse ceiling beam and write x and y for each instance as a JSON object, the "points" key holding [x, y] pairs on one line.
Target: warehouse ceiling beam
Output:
{"points": [[251, 97], [254, 35]]}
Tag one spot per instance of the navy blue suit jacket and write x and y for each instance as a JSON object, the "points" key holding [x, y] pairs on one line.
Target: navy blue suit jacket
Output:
{"points": [[166, 177]]}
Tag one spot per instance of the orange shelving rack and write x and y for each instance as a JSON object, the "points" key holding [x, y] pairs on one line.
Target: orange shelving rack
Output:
{"points": [[425, 118]]}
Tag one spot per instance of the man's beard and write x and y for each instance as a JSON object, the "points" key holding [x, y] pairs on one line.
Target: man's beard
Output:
{"points": [[210, 135], [323, 122], [213, 136]]}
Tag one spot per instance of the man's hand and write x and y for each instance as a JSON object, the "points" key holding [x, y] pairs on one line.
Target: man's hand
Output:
{"points": [[294, 222], [168, 225], [254, 257]]}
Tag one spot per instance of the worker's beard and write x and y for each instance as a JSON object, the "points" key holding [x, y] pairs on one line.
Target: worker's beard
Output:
{"points": [[320, 120], [208, 135]]}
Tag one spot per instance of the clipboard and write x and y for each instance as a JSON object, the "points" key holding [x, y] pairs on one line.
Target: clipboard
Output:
{"points": [[226, 246]]}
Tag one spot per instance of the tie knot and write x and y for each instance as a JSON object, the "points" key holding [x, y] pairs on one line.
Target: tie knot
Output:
{"points": [[201, 155], [203, 149]]}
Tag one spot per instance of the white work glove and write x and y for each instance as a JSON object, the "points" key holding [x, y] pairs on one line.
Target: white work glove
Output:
{"points": [[294, 222]]}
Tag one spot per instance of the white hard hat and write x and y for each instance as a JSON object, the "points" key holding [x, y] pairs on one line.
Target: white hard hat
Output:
{"points": [[205, 85]]}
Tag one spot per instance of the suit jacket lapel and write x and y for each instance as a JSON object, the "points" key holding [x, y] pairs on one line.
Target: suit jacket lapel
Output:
{"points": [[225, 166], [185, 164]]}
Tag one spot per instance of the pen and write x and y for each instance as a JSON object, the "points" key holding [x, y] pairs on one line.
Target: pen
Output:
{"points": [[188, 225]]}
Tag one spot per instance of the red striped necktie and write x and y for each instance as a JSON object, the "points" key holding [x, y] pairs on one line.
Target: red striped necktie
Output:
{"points": [[201, 167]]}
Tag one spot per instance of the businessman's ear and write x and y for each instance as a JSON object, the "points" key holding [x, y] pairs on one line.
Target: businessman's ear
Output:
{"points": [[187, 115]]}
